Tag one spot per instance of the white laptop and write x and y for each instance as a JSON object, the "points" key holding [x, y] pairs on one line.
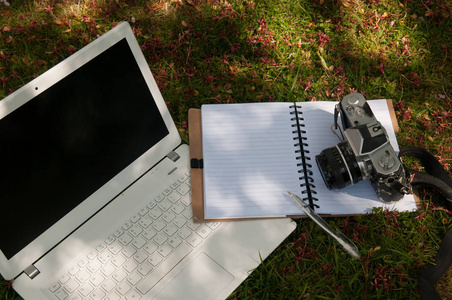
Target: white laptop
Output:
{"points": [[95, 189]]}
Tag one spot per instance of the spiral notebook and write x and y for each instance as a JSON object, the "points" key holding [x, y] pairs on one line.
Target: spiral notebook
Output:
{"points": [[253, 153]]}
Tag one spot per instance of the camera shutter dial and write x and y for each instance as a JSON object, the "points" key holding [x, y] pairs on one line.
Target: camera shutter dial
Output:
{"points": [[387, 161]]}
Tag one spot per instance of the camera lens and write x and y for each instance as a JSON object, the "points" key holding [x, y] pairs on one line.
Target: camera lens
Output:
{"points": [[338, 166]]}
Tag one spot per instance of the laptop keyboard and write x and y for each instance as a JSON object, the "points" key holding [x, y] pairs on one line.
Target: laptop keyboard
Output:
{"points": [[138, 254]]}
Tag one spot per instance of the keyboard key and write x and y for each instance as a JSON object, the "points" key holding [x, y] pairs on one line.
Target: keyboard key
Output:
{"points": [[193, 226], [125, 239], [110, 240], [148, 282], [143, 211], [203, 231], [129, 266], [182, 178], [159, 198], [108, 285], [144, 269], [54, 287], [134, 278], [168, 216], [145, 221], [75, 297], [158, 225], [174, 185], [107, 270], [97, 279], [165, 250], [83, 262], [135, 218], [64, 278], [155, 213], [118, 232], [177, 208], [101, 247], [98, 294], [71, 286], [123, 288], [160, 239], [61, 295], [186, 200], [174, 197], [174, 242], [82, 276], [86, 289], [119, 275], [74, 270], [139, 242], [133, 295], [167, 191], [128, 251], [93, 266], [113, 296], [149, 233], [135, 230], [105, 257], [194, 240], [115, 248], [183, 189], [118, 260], [140, 256], [153, 204], [92, 255], [184, 233], [127, 225], [155, 259], [164, 205], [170, 229], [179, 221], [213, 225], [150, 248]]}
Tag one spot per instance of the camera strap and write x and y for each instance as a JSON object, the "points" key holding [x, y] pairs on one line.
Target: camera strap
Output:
{"points": [[436, 177]]}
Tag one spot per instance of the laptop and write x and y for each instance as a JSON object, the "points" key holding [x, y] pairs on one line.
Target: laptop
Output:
{"points": [[96, 189]]}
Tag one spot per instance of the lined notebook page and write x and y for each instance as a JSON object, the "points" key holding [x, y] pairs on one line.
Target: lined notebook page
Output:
{"points": [[354, 199], [249, 160]]}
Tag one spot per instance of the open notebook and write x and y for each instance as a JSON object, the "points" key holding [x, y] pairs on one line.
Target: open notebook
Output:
{"points": [[252, 157]]}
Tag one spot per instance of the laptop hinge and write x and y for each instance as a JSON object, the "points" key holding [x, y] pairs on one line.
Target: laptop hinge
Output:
{"points": [[173, 156], [31, 271]]}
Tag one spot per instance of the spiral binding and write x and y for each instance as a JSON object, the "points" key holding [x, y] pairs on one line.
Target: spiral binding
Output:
{"points": [[301, 145]]}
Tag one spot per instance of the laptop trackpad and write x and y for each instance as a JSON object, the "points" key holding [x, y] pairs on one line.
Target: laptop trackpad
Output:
{"points": [[202, 279]]}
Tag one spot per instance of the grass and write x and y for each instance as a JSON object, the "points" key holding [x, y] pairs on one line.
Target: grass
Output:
{"points": [[206, 51]]}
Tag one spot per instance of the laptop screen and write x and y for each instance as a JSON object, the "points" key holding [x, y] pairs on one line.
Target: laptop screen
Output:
{"points": [[67, 142]]}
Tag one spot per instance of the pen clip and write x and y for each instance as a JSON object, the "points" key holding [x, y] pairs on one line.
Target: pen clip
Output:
{"points": [[337, 235]]}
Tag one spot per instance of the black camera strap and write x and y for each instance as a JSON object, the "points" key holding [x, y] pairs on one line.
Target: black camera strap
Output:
{"points": [[436, 177]]}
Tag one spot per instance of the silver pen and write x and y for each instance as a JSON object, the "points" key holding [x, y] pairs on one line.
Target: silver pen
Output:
{"points": [[343, 240]]}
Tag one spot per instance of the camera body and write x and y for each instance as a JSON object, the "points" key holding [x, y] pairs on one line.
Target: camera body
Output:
{"points": [[366, 153]]}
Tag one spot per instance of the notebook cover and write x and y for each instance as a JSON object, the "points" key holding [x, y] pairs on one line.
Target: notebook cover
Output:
{"points": [[195, 144], [197, 184]]}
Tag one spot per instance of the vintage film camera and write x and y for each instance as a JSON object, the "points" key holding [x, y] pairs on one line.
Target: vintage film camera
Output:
{"points": [[366, 153]]}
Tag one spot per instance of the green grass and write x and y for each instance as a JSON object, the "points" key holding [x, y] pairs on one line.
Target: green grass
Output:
{"points": [[257, 51]]}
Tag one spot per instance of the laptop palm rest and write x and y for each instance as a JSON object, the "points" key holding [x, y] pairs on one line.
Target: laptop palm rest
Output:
{"points": [[202, 279]]}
